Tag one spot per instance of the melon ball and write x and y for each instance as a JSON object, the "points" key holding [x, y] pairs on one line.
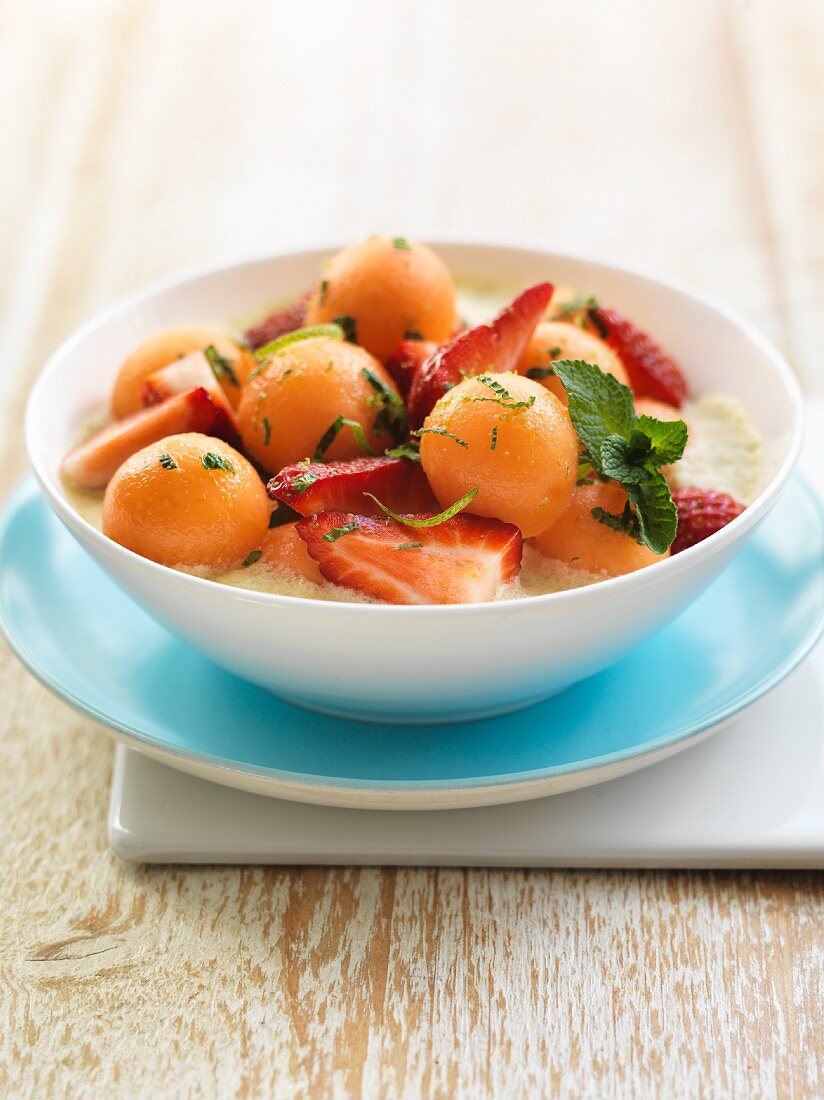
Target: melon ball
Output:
{"points": [[518, 448], [162, 348], [301, 391], [392, 289], [284, 550], [553, 340], [188, 500], [583, 542]]}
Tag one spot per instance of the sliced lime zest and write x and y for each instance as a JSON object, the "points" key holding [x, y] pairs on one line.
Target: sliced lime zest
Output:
{"points": [[430, 521], [332, 332]]}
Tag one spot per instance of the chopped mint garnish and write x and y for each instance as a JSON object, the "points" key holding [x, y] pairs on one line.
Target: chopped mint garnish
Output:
{"points": [[324, 291], [409, 450], [221, 367], [167, 462], [267, 431], [412, 334], [430, 521], [331, 332], [493, 442], [328, 437], [409, 546], [391, 420], [540, 372], [577, 305], [349, 327], [251, 558], [443, 432], [401, 243], [303, 481], [211, 461], [627, 448], [502, 395], [339, 532]]}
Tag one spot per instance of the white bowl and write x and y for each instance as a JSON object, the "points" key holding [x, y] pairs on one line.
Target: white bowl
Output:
{"points": [[420, 664]]}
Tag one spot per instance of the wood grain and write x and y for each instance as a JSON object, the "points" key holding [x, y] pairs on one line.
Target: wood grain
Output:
{"points": [[142, 138]]}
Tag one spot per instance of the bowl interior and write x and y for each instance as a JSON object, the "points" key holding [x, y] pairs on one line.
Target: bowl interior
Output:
{"points": [[718, 351]]}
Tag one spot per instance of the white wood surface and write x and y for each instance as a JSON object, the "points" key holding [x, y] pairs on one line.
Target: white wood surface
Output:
{"points": [[139, 138]]}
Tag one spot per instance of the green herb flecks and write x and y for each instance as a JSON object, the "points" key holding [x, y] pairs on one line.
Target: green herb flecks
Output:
{"points": [[251, 558], [626, 448], [349, 327], [430, 521], [401, 243], [493, 441], [391, 419], [324, 292], [409, 546], [267, 431], [412, 334], [331, 332], [221, 367], [329, 436], [304, 481], [502, 395], [410, 450], [211, 461], [443, 432], [167, 462], [537, 373], [576, 306], [339, 532]]}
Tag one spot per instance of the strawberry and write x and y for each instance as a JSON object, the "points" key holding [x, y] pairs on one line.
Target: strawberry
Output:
{"points": [[651, 371], [462, 560], [701, 512], [406, 360], [339, 486], [93, 463], [279, 322], [493, 348], [190, 373]]}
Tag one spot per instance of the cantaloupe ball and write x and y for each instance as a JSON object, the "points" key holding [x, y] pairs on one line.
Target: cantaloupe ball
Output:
{"points": [[188, 500], [162, 348], [391, 288], [519, 450], [581, 541], [300, 392], [284, 550], [554, 340]]}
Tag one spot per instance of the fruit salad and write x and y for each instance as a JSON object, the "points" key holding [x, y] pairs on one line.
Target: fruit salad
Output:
{"points": [[395, 434]]}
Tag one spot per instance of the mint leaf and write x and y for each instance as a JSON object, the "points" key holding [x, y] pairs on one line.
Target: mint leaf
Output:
{"points": [[625, 448], [599, 405], [430, 521], [656, 512]]}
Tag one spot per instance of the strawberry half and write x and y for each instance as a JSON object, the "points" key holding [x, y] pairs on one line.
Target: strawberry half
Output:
{"points": [[651, 371], [494, 348], [190, 373], [701, 512], [279, 322], [339, 486], [93, 464], [406, 361], [463, 560]]}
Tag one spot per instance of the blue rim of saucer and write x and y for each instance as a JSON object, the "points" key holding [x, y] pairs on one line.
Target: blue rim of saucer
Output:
{"points": [[73, 628]]}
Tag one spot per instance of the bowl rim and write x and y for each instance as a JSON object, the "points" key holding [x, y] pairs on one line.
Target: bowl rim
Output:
{"points": [[604, 589]]}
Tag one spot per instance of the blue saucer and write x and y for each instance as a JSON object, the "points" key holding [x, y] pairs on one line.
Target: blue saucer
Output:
{"points": [[86, 641]]}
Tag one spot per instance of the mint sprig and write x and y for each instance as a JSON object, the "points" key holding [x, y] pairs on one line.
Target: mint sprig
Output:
{"points": [[626, 448]]}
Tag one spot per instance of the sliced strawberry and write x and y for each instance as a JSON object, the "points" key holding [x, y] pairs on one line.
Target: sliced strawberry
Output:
{"points": [[93, 463], [190, 373], [340, 486], [279, 322], [701, 512], [463, 560], [651, 371], [405, 362], [495, 348]]}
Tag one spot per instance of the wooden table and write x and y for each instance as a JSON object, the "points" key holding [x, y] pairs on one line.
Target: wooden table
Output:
{"points": [[141, 138]]}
